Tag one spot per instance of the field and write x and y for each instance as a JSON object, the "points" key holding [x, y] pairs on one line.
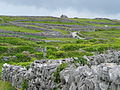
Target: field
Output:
{"points": [[24, 39]]}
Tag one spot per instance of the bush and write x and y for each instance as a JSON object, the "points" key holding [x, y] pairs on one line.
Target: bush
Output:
{"points": [[98, 48], [41, 42], [51, 54], [60, 54], [99, 29], [24, 84], [70, 47], [90, 49], [22, 58], [81, 60], [116, 46], [3, 49], [27, 67], [57, 73], [76, 54], [80, 41], [13, 50], [51, 57], [16, 41], [23, 64], [21, 49], [52, 48], [39, 55], [93, 40]]}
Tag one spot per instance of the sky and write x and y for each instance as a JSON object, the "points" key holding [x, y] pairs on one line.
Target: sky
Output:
{"points": [[71, 8]]}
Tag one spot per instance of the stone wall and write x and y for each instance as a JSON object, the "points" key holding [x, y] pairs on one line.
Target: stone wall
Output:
{"points": [[110, 57], [38, 76], [45, 33], [104, 75]]}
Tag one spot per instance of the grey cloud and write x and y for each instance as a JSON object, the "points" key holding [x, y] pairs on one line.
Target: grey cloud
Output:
{"points": [[98, 7], [104, 6]]}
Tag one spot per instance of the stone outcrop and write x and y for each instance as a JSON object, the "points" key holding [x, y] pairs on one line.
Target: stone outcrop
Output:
{"points": [[102, 73]]}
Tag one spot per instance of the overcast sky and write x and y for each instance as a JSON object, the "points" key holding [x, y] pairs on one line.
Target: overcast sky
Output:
{"points": [[71, 8]]}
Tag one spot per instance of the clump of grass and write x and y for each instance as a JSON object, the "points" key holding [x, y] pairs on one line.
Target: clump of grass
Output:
{"points": [[4, 85], [24, 84]]}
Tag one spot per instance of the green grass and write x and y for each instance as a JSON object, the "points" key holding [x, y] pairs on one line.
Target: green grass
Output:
{"points": [[62, 39], [52, 22], [35, 26], [6, 85], [110, 33], [18, 29], [16, 41], [62, 31], [29, 36], [85, 21], [7, 18], [59, 30], [93, 20]]}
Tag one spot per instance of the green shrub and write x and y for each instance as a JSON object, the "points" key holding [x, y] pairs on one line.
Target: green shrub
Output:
{"points": [[102, 48], [39, 55], [115, 46], [20, 49], [80, 41], [3, 49], [24, 84], [93, 40], [5, 85], [51, 54], [98, 48], [74, 54], [52, 48], [102, 41], [81, 60], [27, 67], [16, 41], [51, 57], [99, 29], [40, 42], [60, 54], [70, 47], [56, 74], [88, 54], [22, 58], [90, 49], [23, 64]]}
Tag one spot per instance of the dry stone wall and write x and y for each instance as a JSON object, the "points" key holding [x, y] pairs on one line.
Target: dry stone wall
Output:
{"points": [[38, 76], [110, 57], [103, 74]]}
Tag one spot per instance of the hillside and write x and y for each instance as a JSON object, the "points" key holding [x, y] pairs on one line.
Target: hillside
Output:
{"points": [[24, 39]]}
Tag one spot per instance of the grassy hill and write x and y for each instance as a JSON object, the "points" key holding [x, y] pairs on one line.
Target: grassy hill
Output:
{"points": [[23, 38]]}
